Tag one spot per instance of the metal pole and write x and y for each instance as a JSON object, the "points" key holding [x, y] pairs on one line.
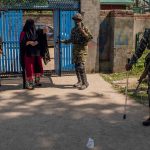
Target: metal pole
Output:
{"points": [[125, 106], [60, 52], [127, 82]]}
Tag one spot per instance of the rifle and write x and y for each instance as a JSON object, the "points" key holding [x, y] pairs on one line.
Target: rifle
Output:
{"points": [[143, 76]]}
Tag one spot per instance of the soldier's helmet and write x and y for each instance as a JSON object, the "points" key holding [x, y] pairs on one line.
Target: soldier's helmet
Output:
{"points": [[77, 16]]}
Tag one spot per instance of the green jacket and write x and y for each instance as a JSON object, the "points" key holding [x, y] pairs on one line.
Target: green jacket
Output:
{"points": [[80, 43]]}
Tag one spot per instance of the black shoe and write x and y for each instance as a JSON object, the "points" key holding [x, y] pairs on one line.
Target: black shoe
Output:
{"points": [[38, 84], [146, 122]]}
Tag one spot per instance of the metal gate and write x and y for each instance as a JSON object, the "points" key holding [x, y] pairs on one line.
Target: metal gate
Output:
{"points": [[63, 24], [11, 26]]}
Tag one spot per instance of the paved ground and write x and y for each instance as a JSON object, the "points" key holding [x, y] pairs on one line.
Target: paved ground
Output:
{"points": [[59, 117]]}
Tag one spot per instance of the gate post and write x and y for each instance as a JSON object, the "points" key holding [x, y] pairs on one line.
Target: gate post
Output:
{"points": [[91, 13]]}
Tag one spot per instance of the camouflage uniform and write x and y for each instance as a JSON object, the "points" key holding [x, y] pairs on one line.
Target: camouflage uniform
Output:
{"points": [[144, 43], [80, 50]]}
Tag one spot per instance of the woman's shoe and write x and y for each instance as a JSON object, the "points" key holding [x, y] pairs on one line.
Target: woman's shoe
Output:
{"points": [[29, 86], [37, 82]]}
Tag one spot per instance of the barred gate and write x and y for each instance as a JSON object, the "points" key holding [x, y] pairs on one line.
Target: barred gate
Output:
{"points": [[63, 24], [66, 24], [11, 26]]}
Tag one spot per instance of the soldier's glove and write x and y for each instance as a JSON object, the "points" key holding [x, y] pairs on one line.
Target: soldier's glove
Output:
{"points": [[128, 67]]}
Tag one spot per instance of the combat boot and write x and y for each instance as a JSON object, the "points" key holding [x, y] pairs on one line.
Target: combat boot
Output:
{"points": [[79, 83], [146, 122], [85, 84]]}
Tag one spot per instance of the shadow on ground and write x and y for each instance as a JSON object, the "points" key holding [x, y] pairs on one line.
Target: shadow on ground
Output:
{"points": [[37, 121]]}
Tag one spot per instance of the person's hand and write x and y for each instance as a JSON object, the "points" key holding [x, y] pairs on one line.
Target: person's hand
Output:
{"points": [[62, 41], [79, 25], [128, 67], [30, 43], [45, 30], [35, 43]]}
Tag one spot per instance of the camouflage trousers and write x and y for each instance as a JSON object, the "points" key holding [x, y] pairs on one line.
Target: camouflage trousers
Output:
{"points": [[81, 73], [79, 53]]}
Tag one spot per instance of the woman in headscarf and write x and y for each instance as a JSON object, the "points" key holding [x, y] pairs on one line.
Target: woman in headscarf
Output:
{"points": [[30, 58]]}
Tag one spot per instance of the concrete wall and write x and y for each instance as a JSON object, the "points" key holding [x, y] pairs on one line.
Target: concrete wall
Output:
{"points": [[90, 9], [123, 39], [118, 31], [116, 39], [106, 37]]}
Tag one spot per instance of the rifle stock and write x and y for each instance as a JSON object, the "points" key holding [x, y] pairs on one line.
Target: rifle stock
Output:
{"points": [[143, 76]]}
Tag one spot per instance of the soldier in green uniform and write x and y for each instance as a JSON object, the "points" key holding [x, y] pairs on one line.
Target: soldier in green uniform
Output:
{"points": [[144, 43], [80, 36]]}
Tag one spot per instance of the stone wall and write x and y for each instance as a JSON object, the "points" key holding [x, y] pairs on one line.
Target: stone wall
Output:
{"points": [[90, 9]]}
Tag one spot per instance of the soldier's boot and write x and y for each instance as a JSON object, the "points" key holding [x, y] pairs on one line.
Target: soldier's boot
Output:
{"points": [[85, 84], [146, 122], [29, 85], [79, 83], [37, 82]]}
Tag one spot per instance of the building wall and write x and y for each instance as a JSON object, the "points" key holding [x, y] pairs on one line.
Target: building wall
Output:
{"points": [[116, 39], [105, 40], [123, 39], [90, 9], [110, 7]]}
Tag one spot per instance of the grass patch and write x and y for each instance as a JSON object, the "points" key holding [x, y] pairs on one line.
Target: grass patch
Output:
{"points": [[141, 96]]}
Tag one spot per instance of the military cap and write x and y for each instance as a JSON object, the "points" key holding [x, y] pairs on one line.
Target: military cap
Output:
{"points": [[77, 16]]}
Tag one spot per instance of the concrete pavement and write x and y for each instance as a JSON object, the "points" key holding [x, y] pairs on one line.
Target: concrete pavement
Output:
{"points": [[60, 117]]}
